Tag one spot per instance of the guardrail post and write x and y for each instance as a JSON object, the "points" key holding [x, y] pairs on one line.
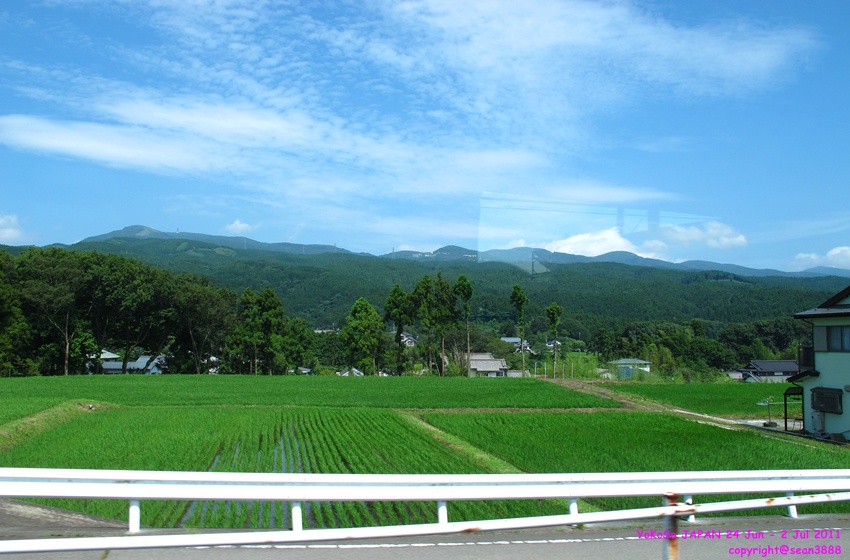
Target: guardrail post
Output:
{"points": [[573, 506], [671, 528], [297, 520], [792, 510], [690, 501], [442, 513], [135, 517]]}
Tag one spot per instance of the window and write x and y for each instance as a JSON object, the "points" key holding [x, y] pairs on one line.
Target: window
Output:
{"points": [[838, 339]]}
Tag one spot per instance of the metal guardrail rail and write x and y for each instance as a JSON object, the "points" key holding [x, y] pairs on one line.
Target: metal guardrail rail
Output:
{"points": [[795, 486]]}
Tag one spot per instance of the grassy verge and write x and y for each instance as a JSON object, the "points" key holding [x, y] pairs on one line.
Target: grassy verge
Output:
{"points": [[25, 428]]}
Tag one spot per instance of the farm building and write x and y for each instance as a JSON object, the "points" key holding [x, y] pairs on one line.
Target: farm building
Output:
{"points": [[771, 371], [825, 377], [629, 367], [516, 341], [113, 363]]}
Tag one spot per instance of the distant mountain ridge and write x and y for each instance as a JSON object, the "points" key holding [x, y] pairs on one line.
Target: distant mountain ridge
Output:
{"points": [[238, 242], [525, 257]]}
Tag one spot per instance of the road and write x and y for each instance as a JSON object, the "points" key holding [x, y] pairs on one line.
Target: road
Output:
{"points": [[707, 539]]}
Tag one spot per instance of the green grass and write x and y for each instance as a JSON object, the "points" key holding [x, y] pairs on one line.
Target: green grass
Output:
{"points": [[368, 392], [720, 399]]}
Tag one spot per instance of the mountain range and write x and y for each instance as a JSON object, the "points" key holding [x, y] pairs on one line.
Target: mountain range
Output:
{"points": [[531, 259], [319, 283]]}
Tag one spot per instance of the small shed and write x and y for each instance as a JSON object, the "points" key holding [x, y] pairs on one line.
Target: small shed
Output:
{"points": [[626, 368]]}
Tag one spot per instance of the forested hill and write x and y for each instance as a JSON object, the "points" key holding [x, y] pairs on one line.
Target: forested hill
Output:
{"points": [[321, 288]]}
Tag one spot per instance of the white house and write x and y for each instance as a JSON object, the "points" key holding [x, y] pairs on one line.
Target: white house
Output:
{"points": [[826, 377]]}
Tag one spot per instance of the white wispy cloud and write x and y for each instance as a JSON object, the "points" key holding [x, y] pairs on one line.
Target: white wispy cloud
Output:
{"points": [[115, 145], [669, 242], [838, 257], [664, 144], [596, 243], [580, 55], [517, 74], [712, 234], [238, 227], [10, 230]]}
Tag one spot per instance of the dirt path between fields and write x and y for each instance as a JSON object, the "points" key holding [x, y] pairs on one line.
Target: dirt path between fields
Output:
{"points": [[625, 400]]}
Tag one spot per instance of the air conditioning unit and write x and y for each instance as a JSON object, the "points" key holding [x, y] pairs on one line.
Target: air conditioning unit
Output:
{"points": [[817, 422]]}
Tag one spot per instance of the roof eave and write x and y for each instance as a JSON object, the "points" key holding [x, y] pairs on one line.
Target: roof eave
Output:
{"points": [[804, 374], [821, 312]]}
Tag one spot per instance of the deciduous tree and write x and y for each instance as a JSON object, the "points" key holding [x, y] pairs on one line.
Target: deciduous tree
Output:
{"points": [[399, 309], [463, 290], [445, 314], [14, 330], [257, 340], [519, 300], [53, 282], [205, 315], [422, 298], [362, 336], [553, 314]]}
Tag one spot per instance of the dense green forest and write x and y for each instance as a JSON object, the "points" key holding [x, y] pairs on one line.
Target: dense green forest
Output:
{"points": [[207, 307]]}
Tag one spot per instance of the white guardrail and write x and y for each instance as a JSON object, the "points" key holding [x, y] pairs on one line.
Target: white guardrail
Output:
{"points": [[795, 487]]}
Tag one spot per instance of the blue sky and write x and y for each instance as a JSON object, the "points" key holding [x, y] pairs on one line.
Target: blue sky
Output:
{"points": [[677, 130]]}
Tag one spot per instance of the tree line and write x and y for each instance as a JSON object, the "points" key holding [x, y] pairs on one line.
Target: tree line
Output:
{"points": [[61, 309]]}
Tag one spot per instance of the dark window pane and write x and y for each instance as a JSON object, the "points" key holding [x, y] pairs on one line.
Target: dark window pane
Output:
{"points": [[834, 339]]}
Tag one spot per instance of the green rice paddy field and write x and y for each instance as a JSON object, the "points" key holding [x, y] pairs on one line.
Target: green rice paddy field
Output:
{"points": [[361, 425]]}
